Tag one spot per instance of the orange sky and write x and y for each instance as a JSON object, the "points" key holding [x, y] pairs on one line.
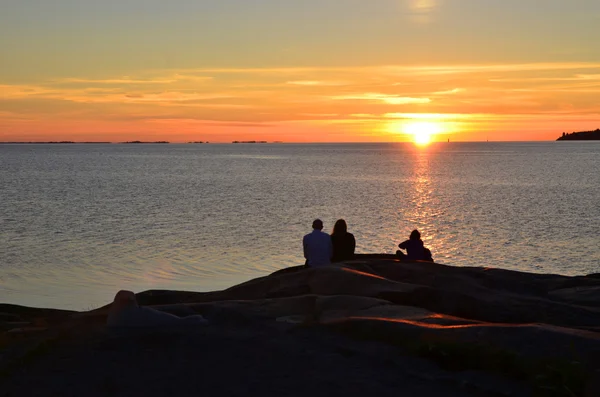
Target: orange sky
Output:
{"points": [[99, 72]]}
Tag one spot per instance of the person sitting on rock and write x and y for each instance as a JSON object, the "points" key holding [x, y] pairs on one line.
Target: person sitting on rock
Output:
{"points": [[342, 241], [415, 249], [317, 246]]}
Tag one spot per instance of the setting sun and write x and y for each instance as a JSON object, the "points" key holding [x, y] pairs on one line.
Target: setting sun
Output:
{"points": [[421, 131]]}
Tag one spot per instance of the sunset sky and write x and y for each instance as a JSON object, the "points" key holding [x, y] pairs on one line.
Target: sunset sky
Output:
{"points": [[298, 70]]}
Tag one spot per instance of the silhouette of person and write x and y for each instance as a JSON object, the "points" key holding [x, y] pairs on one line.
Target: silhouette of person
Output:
{"points": [[415, 249], [317, 246], [342, 241]]}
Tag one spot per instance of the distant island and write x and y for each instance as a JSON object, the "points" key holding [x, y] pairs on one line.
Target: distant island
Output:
{"points": [[146, 142], [249, 142], [581, 136]]}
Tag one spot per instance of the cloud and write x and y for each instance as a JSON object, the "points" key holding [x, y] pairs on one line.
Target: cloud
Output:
{"points": [[267, 70], [427, 116], [114, 81], [320, 114], [176, 96], [485, 116], [120, 96], [364, 115], [385, 71], [449, 92], [433, 70], [317, 83], [17, 91], [208, 123], [147, 79], [388, 99]]}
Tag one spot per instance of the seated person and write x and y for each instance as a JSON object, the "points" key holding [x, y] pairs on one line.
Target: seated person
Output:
{"points": [[343, 242], [415, 249], [317, 246]]}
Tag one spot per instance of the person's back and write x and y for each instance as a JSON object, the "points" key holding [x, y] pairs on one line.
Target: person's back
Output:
{"points": [[343, 242], [415, 249], [343, 247], [317, 246]]}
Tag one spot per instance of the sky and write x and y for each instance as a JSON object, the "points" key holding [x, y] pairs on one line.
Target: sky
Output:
{"points": [[298, 70]]}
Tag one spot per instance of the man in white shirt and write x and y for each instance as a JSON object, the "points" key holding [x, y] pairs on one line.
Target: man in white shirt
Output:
{"points": [[317, 246]]}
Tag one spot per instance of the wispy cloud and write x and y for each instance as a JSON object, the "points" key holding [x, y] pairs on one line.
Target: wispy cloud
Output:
{"points": [[449, 92], [389, 99], [175, 96], [383, 70], [434, 70], [207, 123], [121, 81], [484, 116], [576, 77], [320, 114], [364, 115], [317, 83]]}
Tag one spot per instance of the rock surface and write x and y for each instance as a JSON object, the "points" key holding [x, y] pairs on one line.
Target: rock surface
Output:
{"points": [[126, 313], [372, 326]]}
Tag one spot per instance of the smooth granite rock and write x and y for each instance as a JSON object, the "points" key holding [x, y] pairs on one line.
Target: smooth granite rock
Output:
{"points": [[125, 312], [371, 326]]}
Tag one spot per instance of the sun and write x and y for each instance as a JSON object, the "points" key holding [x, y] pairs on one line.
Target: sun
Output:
{"points": [[422, 131]]}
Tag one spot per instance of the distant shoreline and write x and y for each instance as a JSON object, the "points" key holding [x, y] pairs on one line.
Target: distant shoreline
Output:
{"points": [[581, 136], [271, 142]]}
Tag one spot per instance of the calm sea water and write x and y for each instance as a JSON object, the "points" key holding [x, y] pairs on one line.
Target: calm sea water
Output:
{"points": [[79, 222]]}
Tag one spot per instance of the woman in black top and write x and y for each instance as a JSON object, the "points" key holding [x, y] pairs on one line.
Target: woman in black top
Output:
{"points": [[342, 241]]}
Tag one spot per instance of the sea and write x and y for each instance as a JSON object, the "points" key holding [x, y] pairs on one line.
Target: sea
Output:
{"points": [[78, 222]]}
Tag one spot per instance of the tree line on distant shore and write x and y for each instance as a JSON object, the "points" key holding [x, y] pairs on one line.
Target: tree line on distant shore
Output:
{"points": [[581, 136]]}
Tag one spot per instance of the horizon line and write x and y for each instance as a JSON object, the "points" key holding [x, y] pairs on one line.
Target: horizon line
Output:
{"points": [[249, 142]]}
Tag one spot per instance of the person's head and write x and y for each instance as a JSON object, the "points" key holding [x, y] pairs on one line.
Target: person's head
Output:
{"points": [[415, 235], [124, 299], [317, 224], [340, 227]]}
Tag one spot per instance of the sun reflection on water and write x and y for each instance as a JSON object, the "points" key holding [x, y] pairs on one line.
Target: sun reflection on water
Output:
{"points": [[422, 207]]}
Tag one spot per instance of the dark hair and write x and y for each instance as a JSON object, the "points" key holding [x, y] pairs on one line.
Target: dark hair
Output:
{"points": [[415, 235], [317, 224], [340, 227]]}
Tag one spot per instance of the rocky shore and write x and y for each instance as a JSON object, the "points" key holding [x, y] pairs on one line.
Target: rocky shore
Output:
{"points": [[581, 136], [371, 326]]}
